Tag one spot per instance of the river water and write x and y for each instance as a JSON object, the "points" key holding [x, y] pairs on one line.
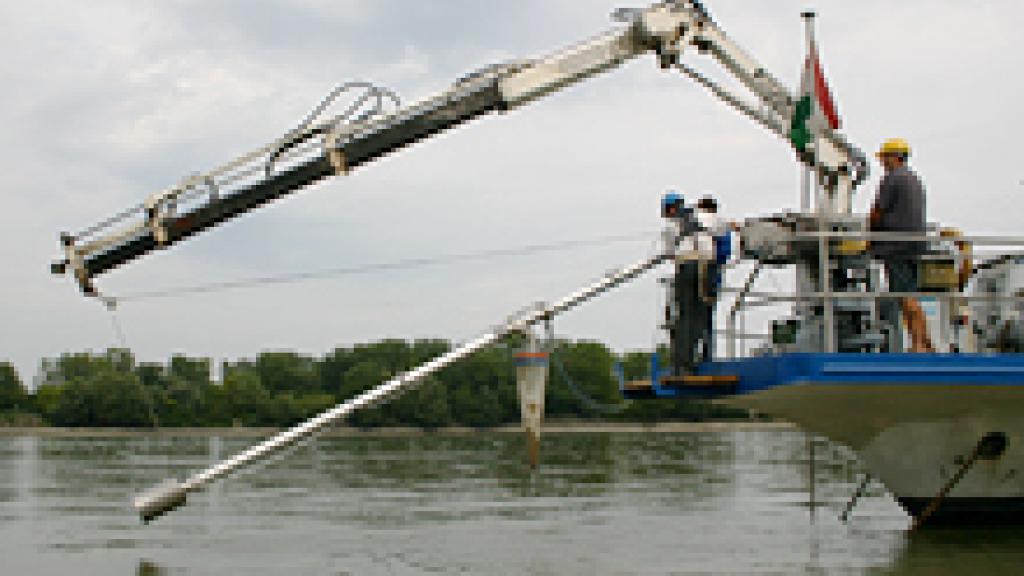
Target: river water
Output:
{"points": [[709, 502]]}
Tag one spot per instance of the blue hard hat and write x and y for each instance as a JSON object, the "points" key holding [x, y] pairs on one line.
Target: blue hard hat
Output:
{"points": [[670, 199]]}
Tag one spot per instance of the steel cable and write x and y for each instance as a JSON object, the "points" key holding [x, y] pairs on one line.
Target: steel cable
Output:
{"points": [[397, 265]]}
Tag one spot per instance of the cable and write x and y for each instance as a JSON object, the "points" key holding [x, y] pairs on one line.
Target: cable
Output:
{"points": [[588, 402], [405, 264], [111, 306], [372, 102], [301, 132]]}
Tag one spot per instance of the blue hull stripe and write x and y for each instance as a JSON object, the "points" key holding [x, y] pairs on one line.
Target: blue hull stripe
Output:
{"points": [[761, 373]]}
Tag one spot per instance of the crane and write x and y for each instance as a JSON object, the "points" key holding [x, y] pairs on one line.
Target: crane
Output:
{"points": [[375, 124]]}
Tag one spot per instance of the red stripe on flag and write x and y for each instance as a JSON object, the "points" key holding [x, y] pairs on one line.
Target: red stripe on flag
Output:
{"points": [[823, 93]]}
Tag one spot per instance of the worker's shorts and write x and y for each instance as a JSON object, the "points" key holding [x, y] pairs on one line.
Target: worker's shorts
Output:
{"points": [[901, 274]]}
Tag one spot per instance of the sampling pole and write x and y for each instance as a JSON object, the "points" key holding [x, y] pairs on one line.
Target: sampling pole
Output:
{"points": [[171, 493]]}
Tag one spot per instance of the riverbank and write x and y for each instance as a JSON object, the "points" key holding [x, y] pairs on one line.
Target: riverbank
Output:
{"points": [[342, 431]]}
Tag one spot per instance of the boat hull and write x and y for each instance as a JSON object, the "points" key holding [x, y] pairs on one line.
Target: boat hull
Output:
{"points": [[915, 421]]}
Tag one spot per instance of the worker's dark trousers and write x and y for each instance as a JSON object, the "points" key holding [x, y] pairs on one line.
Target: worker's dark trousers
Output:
{"points": [[691, 326]]}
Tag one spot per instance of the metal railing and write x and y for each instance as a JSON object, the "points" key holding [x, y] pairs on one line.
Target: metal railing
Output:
{"points": [[944, 248]]}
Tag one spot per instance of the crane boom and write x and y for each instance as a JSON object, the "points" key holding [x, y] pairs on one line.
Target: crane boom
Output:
{"points": [[340, 144]]}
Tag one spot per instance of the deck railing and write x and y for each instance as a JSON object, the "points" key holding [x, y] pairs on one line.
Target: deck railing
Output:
{"points": [[955, 249]]}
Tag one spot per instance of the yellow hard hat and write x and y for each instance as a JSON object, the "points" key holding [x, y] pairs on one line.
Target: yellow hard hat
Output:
{"points": [[894, 146]]}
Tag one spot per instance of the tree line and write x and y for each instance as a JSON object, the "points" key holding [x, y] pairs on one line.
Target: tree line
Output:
{"points": [[112, 389]]}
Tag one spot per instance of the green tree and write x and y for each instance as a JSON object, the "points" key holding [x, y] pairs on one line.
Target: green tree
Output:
{"points": [[482, 389], [181, 403], [47, 398], [636, 365], [247, 401], [151, 375], [288, 372], [13, 395], [106, 398], [181, 399], [391, 354], [195, 371], [587, 367], [333, 368], [423, 350], [85, 365], [118, 359], [425, 406], [431, 409], [86, 389], [479, 407], [361, 377], [216, 407], [309, 405]]}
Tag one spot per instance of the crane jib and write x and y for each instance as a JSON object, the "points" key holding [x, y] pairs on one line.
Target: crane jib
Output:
{"points": [[357, 150], [312, 153]]}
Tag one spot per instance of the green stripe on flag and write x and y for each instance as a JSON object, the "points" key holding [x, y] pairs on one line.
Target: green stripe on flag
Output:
{"points": [[799, 131]]}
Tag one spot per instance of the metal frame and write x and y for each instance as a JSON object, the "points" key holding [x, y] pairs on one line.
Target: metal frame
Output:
{"points": [[748, 298]]}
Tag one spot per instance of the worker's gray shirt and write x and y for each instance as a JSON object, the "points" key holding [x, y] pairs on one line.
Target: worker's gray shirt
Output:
{"points": [[901, 208]]}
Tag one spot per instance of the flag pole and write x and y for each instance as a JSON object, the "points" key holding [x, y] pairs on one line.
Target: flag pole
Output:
{"points": [[823, 205], [807, 176]]}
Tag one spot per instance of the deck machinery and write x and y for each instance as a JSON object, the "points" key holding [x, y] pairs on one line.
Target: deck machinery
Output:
{"points": [[828, 366]]}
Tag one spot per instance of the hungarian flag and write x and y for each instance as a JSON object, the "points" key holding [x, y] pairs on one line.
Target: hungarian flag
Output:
{"points": [[815, 110]]}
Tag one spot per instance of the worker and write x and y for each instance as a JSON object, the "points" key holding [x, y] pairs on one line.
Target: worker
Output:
{"points": [[683, 286], [681, 222], [696, 282], [671, 202], [899, 208], [714, 250]]}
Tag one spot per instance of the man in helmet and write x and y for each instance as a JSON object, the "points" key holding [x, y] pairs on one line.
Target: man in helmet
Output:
{"points": [[695, 235], [899, 208], [683, 296], [714, 241]]}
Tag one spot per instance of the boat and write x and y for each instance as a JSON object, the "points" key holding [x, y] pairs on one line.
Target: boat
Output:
{"points": [[942, 431]]}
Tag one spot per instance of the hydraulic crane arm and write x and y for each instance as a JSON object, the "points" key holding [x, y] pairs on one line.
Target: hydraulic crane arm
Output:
{"points": [[368, 130]]}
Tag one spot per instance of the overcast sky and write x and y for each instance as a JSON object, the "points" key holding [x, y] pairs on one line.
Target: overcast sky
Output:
{"points": [[107, 101]]}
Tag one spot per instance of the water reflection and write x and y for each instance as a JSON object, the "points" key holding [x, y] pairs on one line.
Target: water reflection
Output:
{"points": [[148, 568], [729, 501], [948, 551]]}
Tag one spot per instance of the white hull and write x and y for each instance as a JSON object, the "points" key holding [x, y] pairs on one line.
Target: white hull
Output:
{"points": [[915, 438]]}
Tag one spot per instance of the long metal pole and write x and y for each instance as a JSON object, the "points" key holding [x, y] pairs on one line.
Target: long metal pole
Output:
{"points": [[805, 189], [171, 494], [806, 172], [824, 274]]}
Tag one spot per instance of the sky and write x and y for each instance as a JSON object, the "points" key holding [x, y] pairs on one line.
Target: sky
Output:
{"points": [[106, 102]]}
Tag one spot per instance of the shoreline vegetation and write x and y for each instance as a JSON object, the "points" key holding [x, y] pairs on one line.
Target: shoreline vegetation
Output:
{"points": [[278, 389], [554, 428]]}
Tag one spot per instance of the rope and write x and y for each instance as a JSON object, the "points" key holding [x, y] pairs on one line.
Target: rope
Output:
{"points": [[111, 305], [405, 264], [587, 401]]}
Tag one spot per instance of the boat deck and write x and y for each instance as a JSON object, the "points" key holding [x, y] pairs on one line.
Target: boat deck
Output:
{"points": [[756, 374]]}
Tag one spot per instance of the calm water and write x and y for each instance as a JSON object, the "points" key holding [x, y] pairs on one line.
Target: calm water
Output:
{"points": [[710, 502]]}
